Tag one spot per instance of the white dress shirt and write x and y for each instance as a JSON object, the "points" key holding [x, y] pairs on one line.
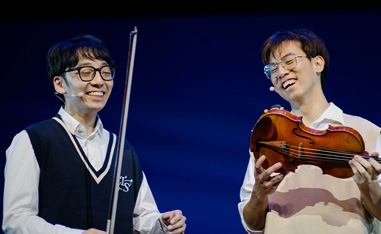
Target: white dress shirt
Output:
{"points": [[22, 179]]}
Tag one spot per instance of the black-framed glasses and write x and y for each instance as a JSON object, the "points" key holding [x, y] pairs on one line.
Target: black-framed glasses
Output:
{"points": [[288, 62], [87, 73]]}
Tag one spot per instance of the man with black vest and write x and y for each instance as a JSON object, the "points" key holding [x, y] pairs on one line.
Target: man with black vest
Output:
{"points": [[59, 172]]}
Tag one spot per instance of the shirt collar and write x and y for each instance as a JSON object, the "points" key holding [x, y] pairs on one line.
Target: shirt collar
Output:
{"points": [[76, 128], [332, 114]]}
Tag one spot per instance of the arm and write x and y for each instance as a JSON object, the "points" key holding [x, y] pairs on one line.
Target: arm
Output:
{"points": [[254, 212], [365, 175], [148, 219], [20, 203]]}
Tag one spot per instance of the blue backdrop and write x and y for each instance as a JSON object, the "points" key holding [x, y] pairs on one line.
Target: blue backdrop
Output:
{"points": [[198, 89]]}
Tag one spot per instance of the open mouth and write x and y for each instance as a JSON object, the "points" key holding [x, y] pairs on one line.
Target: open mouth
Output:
{"points": [[96, 94], [288, 83]]}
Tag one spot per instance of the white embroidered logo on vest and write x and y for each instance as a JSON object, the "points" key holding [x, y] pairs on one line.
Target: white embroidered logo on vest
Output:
{"points": [[125, 184]]}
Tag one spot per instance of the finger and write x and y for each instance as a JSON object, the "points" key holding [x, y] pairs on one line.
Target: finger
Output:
{"points": [[357, 177], [274, 181], [179, 226], [376, 168], [274, 167], [179, 231], [375, 154], [361, 160], [177, 214], [261, 160], [258, 164], [266, 174], [362, 172], [354, 169], [166, 217], [366, 164], [376, 165]]}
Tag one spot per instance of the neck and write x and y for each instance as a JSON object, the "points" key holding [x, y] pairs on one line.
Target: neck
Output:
{"points": [[311, 109], [88, 120]]}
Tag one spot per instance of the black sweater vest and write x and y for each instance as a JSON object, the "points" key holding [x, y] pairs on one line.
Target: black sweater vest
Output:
{"points": [[71, 192]]}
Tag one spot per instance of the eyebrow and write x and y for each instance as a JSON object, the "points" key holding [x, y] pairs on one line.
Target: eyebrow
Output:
{"points": [[287, 55], [104, 63], [290, 53]]}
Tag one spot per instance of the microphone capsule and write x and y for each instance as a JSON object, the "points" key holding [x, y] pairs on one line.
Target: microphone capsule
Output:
{"points": [[272, 89]]}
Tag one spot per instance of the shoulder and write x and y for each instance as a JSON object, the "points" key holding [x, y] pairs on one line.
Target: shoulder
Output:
{"points": [[368, 130], [41, 125], [357, 122], [21, 139]]}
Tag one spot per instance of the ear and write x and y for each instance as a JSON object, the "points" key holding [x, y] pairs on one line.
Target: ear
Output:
{"points": [[58, 83], [319, 63]]}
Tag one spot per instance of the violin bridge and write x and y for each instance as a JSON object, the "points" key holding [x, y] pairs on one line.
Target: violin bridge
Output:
{"points": [[299, 152]]}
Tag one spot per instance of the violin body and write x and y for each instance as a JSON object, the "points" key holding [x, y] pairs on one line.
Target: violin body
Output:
{"points": [[282, 137]]}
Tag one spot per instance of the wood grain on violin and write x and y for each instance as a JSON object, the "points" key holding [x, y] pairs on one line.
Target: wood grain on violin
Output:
{"points": [[282, 137]]}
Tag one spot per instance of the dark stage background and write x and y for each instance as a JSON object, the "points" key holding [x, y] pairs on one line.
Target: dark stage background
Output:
{"points": [[197, 91]]}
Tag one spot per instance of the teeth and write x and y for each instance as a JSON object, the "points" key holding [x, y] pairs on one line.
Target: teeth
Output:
{"points": [[288, 83], [98, 94]]}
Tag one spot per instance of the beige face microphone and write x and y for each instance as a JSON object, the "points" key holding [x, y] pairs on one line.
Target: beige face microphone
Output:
{"points": [[80, 94], [272, 89], [57, 94]]}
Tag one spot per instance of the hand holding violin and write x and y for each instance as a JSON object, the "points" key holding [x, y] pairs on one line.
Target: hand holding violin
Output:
{"points": [[365, 170], [365, 174]]}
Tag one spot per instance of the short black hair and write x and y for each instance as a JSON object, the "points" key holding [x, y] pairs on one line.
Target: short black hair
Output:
{"points": [[311, 44], [65, 55]]}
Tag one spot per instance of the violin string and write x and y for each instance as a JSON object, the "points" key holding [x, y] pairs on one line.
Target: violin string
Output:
{"points": [[323, 152], [315, 156], [318, 154]]}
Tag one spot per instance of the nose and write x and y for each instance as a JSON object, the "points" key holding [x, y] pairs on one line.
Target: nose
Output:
{"points": [[97, 81], [282, 71]]}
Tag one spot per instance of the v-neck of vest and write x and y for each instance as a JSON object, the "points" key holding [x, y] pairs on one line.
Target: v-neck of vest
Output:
{"points": [[101, 173]]}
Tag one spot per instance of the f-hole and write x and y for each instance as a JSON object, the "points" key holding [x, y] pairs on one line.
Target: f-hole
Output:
{"points": [[300, 136]]}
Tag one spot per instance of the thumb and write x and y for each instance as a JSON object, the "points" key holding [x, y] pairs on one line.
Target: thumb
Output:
{"points": [[166, 216], [375, 154]]}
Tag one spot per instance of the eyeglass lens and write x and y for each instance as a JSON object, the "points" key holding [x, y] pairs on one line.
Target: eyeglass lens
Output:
{"points": [[272, 69], [88, 73]]}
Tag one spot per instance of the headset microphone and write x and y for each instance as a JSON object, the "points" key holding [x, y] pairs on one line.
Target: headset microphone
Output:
{"points": [[272, 89], [80, 94]]}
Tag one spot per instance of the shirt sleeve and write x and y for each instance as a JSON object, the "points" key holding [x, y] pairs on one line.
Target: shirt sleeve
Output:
{"points": [[147, 218], [245, 194], [20, 203], [377, 148]]}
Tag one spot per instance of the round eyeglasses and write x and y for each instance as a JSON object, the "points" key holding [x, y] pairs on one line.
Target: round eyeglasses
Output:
{"points": [[87, 73], [288, 62]]}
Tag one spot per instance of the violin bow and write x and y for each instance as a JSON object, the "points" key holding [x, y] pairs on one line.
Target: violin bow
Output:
{"points": [[122, 132]]}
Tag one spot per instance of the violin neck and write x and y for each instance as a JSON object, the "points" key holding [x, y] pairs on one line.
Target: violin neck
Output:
{"points": [[339, 156], [368, 157], [320, 154]]}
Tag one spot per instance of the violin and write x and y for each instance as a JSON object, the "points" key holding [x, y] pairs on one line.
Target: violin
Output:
{"points": [[282, 137]]}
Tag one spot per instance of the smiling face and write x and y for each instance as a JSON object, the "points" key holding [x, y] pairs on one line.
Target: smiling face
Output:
{"points": [[84, 99], [302, 82]]}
